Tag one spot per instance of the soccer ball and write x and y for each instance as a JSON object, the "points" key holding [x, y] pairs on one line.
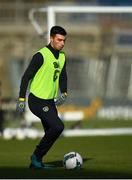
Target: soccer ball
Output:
{"points": [[72, 160]]}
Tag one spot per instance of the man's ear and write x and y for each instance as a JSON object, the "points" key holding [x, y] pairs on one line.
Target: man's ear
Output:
{"points": [[51, 39]]}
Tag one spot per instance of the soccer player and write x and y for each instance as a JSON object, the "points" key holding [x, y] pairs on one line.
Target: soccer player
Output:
{"points": [[46, 73]]}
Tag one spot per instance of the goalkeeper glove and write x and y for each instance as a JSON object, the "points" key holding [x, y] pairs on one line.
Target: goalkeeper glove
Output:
{"points": [[20, 107], [61, 99]]}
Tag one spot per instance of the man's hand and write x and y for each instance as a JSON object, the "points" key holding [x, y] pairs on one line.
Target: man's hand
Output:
{"points": [[20, 107], [61, 99]]}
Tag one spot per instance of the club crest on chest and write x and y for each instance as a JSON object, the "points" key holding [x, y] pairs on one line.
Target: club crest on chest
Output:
{"points": [[56, 65]]}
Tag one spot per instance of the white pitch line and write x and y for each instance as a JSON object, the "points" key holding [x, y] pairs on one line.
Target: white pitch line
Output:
{"points": [[98, 132]]}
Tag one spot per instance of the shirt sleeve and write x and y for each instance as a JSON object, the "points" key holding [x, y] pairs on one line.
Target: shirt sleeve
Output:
{"points": [[34, 65], [63, 80]]}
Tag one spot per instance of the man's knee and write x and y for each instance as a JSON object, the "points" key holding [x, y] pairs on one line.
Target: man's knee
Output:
{"points": [[58, 129]]}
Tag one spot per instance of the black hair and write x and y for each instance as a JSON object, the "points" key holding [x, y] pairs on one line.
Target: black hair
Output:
{"points": [[57, 30]]}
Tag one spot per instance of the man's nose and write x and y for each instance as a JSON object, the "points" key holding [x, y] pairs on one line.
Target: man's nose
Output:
{"points": [[63, 43]]}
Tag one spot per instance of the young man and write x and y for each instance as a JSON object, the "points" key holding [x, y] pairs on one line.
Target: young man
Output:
{"points": [[46, 73]]}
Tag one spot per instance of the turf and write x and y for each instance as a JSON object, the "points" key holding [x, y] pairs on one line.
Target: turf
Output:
{"points": [[104, 157], [99, 123]]}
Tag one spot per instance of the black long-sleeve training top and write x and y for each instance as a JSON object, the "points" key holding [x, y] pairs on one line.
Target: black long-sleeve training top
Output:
{"points": [[33, 67]]}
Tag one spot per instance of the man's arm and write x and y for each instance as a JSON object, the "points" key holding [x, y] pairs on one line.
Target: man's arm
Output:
{"points": [[63, 87], [63, 80], [30, 72]]}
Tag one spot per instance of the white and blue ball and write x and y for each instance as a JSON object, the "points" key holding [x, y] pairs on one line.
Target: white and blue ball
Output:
{"points": [[72, 160]]}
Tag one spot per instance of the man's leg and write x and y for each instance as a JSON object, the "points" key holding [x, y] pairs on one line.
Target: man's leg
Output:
{"points": [[50, 137], [52, 124]]}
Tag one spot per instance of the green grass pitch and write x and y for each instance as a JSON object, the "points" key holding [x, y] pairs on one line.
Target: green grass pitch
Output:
{"points": [[104, 157]]}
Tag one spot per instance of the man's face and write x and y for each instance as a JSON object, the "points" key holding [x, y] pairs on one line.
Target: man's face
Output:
{"points": [[58, 41]]}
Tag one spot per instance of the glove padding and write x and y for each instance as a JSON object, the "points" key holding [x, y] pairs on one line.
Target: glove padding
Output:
{"points": [[61, 99], [20, 106]]}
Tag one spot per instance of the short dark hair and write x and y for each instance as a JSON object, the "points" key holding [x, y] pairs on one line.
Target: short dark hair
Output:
{"points": [[57, 30]]}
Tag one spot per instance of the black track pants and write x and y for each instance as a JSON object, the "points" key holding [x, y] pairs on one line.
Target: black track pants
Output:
{"points": [[53, 126]]}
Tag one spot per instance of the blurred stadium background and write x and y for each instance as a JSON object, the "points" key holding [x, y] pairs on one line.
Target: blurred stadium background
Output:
{"points": [[99, 66], [99, 61]]}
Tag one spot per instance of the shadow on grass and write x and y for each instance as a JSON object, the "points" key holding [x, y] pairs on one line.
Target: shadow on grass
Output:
{"points": [[59, 164], [25, 173], [60, 173]]}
